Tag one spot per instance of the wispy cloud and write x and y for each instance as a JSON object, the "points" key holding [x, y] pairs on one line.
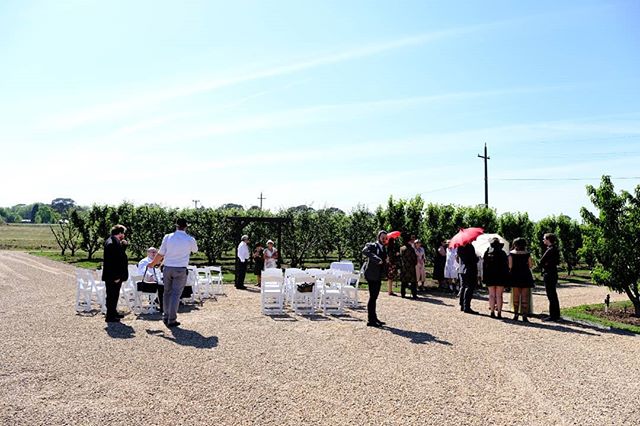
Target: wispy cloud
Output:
{"points": [[119, 108]]}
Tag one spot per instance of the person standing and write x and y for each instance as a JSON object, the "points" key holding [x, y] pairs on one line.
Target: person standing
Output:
{"points": [[376, 254], [242, 259], [392, 264], [549, 263], [520, 265], [408, 270], [258, 262], [495, 274], [439, 265], [421, 274], [114, 270], [271, 256], [469, 261], [174, 252]]}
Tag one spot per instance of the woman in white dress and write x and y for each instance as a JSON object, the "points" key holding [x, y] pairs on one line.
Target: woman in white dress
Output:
{"points": [[451, 268], [270, 256]]}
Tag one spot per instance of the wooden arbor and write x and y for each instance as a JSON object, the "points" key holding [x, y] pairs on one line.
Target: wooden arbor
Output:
{"points": [[240, 222]]}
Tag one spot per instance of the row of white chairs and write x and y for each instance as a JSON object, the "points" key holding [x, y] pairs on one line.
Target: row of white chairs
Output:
{"points": [[332, 291], [205, 283]]}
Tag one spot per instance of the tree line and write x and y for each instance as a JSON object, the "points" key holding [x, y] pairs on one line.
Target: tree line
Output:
{"points": [[607, 241]]}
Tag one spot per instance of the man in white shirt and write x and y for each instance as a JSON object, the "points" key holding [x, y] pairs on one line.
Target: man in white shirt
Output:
{"points": [[174, 251], [241, 262]]}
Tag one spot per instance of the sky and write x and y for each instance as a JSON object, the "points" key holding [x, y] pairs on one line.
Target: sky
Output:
{"points": [[326, 103]]}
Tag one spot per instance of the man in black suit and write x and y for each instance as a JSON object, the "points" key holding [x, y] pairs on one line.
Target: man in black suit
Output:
{"points": [[114, 270], [376, 254], [549, 262]]}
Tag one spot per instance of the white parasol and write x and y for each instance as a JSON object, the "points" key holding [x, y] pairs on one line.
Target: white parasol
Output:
{"points": [[481, 244]]}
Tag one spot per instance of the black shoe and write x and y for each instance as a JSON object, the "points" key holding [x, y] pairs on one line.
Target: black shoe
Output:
{"points": [[525, 319], [374, 324], [499, 315], [550, 319], [414, 297], [112, 320], [492, 315], [241, 287], [515, 317], [380, 323], [173, 324], [119, 316], [471, 311]]}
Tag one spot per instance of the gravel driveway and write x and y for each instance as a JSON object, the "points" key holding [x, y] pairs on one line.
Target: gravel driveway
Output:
{"points": [[229, 364]]}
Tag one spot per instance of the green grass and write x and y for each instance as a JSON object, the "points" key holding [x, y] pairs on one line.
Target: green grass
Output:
{"points": [[26, 237], [589, 313]]}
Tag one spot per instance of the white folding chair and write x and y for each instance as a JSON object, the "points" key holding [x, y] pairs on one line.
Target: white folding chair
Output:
{"points": [[192, 281], [215, 276], [332, 300], [98, 289], [272, 292], [83, 292], [203, 280], [302, 302], [351, 281]]}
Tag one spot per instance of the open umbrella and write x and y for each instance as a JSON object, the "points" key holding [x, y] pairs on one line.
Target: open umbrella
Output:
{"points": [[481, 244], [393, 234], [465, 236]]}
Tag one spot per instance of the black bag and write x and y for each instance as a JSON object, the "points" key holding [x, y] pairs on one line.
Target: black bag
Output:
{"points": [[146, 287], [305, 287]]}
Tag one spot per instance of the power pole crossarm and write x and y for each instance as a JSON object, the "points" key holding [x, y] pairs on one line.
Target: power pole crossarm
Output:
{"points": [[261, 198], [486, 176]]}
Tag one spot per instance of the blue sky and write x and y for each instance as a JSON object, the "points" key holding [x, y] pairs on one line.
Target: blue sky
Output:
{"points": [[328, 103]]}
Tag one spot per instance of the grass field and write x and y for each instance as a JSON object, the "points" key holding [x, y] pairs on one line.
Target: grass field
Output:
{"points": [[26, 237]]}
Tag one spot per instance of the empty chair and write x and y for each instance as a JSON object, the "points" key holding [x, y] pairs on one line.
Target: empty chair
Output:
{"points": [[332, 299], [272, 292], [203, 280], [351, 281], [83, 292], [215, 276], [98, 289]]}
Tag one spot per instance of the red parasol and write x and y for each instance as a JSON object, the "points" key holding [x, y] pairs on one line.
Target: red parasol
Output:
{"points": [[465, 236], [393, 234]]}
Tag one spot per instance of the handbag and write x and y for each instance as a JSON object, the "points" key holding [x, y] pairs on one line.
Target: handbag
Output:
{"points": [[146, 287], [305, 287]]}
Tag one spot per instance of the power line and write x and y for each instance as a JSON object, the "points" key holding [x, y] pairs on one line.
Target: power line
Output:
{"points": [[566, 179]]}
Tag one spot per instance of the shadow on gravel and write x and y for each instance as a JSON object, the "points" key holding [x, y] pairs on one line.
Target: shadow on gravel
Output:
{"points": [[427, 299], [118, 330], [282, 317], [417, 337], [553, 327], [184, 337], [346, 317]]}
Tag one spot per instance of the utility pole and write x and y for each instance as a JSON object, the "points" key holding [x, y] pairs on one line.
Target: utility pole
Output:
{"points": [[195, 202], [486, 176], [261, 198]]}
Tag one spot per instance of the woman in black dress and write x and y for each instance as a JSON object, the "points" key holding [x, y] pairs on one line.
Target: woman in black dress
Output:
{"points": [[439, 264], [520, 265], [258, 262], [495, 274]]}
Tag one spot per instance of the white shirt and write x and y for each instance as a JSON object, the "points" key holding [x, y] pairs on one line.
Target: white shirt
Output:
{"points": [[243, 251], [176, 248]]}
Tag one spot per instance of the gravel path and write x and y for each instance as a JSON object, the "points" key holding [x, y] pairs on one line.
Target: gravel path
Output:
{"points": [[228, 364]]}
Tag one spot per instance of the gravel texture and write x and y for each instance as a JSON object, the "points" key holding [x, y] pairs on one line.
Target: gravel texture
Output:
{"points": [[229, 364]]}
